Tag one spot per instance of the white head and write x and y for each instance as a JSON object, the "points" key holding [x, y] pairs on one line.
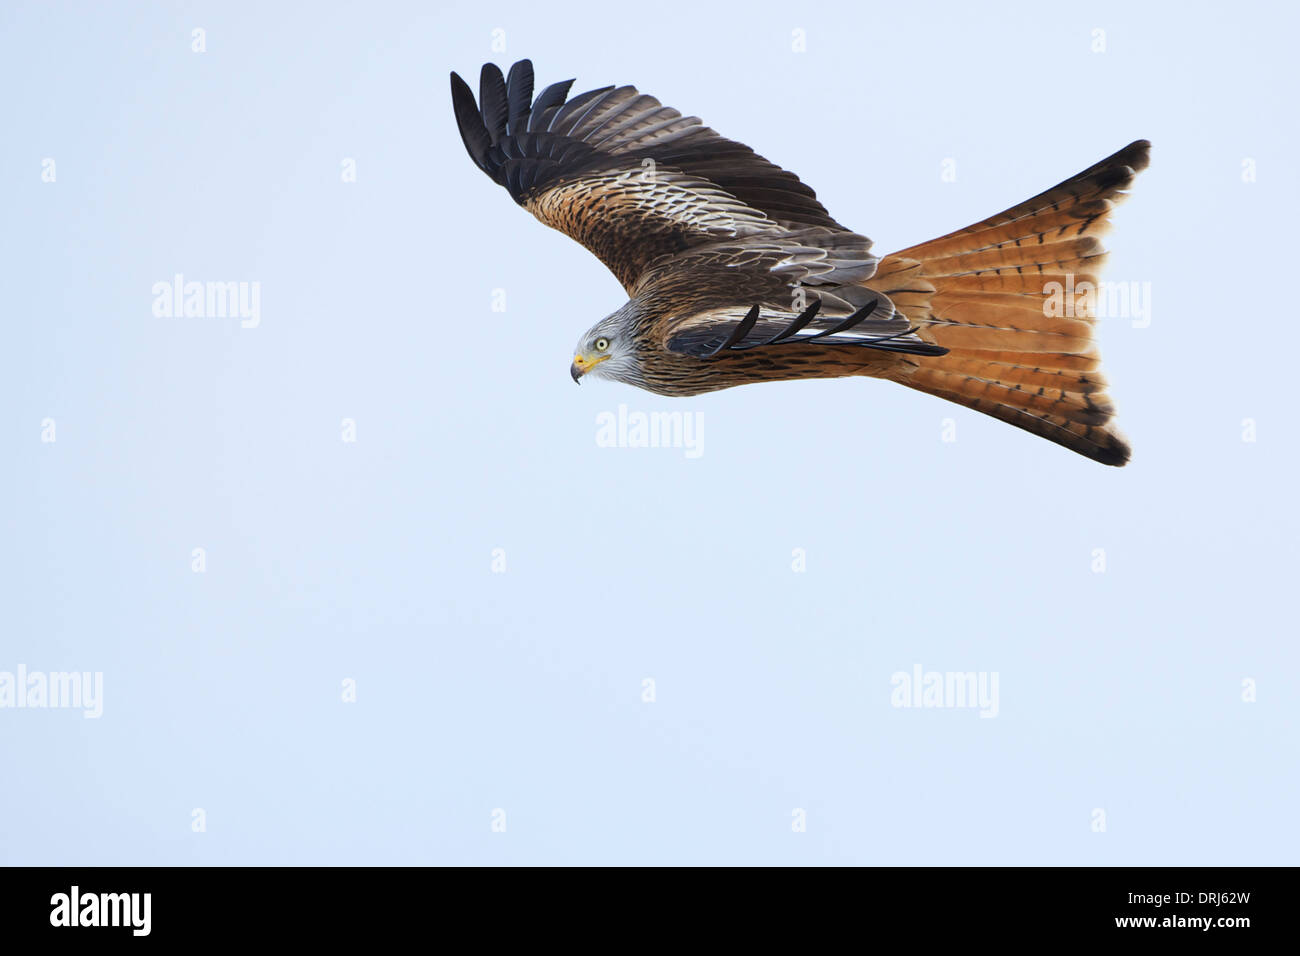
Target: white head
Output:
{"points": [[609, 349]]}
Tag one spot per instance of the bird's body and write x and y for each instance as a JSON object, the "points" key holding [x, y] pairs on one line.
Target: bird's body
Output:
{"points": [[736, 274], [651, 322]]}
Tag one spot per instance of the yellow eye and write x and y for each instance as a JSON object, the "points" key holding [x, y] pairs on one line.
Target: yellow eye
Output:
{"points": [[602, 345]]}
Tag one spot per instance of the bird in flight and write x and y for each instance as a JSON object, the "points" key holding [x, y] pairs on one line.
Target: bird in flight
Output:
{"points": [[736, 274]]}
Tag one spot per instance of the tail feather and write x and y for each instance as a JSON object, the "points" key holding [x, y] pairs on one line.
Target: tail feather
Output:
{"points": [[981, 293], [1040, 257], [1100, 444], [1104, 181], [1059, 380], [1087, 218]]}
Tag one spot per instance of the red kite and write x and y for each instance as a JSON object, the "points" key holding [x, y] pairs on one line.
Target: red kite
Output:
{"points": [[736, 273]]}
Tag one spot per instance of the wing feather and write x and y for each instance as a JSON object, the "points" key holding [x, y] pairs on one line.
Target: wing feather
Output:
{"points": [[494, 100], [631, 179], [519, 94], [776, 292]]}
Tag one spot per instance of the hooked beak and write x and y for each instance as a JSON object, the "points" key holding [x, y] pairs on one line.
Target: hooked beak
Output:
{"points": [[582, 364]]}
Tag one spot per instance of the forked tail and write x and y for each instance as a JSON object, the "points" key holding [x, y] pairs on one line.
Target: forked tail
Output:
{"points": [[983, 293]]}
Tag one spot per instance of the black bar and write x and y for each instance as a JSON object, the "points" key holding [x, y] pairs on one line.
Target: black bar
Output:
{"points": [[975, 905]]}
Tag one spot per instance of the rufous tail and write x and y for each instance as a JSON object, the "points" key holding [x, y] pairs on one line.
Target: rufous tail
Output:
{"points": [[992, 294]]}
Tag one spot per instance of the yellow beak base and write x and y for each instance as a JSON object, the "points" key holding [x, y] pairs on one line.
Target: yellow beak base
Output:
{"points": [[582, 364]]}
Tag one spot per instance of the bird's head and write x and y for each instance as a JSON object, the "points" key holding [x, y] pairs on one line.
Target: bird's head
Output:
{"points": [[609, 350]]}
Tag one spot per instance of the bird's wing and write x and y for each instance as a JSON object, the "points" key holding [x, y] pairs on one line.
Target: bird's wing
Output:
{"points": [[629, 178], [775, 292]]}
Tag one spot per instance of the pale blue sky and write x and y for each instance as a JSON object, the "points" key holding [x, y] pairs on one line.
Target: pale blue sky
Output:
{"points": [[371, 560]]}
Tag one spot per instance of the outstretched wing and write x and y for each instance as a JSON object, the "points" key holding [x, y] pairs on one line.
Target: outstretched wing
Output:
{"points": [[629, 178]]}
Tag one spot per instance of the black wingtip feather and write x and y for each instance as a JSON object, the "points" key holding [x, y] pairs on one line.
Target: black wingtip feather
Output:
{"points": [[519, 96], [492, 100], [848, 323], [553, 96], [470, 122], [740, 330], [802, 319]]}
